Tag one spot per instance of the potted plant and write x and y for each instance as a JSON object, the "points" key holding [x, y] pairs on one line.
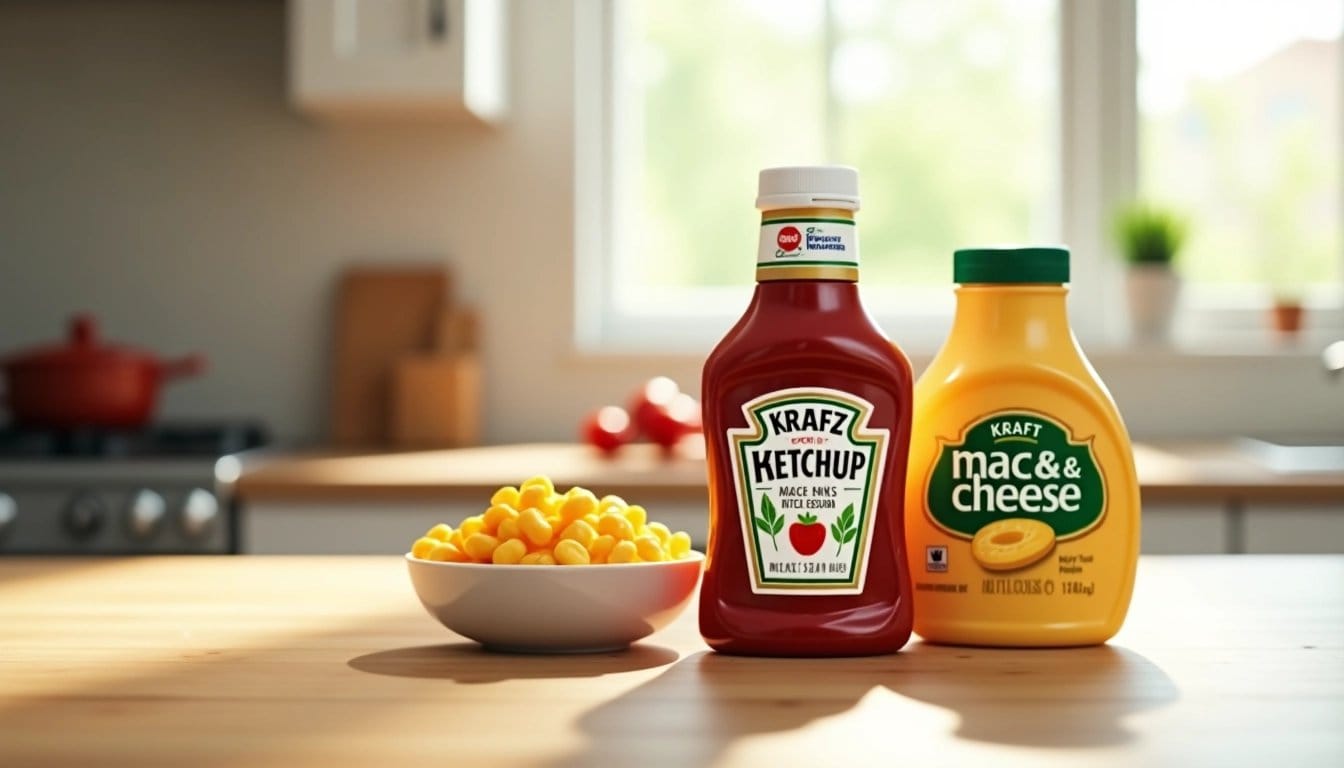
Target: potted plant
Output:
{"points": [[1286, 268], [1149, 238], [1286, 314]]}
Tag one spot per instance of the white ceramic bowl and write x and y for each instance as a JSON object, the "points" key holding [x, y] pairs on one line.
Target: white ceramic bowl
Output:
{"points": [[555, 608]]}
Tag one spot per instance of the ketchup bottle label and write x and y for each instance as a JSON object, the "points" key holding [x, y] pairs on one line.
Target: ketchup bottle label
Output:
{"points": [[793, 241], [808, 471]]}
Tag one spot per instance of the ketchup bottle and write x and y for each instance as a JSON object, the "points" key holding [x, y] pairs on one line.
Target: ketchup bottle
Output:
{"points": [[807, 410]]}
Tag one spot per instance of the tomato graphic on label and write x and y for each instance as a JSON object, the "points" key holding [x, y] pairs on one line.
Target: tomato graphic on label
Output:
{"points": [[807, 535]]}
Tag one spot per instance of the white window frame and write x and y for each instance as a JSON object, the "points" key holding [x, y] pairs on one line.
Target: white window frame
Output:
{"points": [[1097, 171]]}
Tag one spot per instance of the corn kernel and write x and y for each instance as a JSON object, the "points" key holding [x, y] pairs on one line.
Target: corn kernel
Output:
{"points": [[481, 545], [680, 545], [637, 516], [579, 531], [495, 515], [534, 524], [624, 552], [571, 552], [600, 549], [661, 531], [422, 546], [533, 496], [508, 552], [535, 527], [647, 546], [446, 553], [577, 505], [472, 525], [505, 495], [610, 501], [538, 481], [508, 529], [440, 532], [616, 526], [550, 506]]}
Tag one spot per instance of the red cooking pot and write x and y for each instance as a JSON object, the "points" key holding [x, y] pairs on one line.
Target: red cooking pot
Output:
{"points": [[83, 383]]}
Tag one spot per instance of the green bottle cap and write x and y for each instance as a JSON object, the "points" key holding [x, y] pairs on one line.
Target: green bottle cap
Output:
{"points": [[1011, 264]]}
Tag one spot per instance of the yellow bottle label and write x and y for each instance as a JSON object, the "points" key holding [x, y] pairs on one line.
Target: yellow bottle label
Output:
{"points": [[1015, 465], [808, 471]]}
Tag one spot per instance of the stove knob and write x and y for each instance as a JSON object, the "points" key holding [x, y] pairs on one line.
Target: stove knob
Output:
{"points": [[84, 516], [144, 514], [8, 511], [200, 512]]}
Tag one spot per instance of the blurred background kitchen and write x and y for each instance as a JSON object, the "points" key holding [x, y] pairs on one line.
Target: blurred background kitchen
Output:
{"points": [[397, 231]]}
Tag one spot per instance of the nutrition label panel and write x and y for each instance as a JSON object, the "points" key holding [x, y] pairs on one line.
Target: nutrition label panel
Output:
{"points": [[1073, 569]]}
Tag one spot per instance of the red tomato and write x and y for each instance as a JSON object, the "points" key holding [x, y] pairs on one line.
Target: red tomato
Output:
{"points": [[649, 404], [666, 426], [607, 428], [807, 535], [686, 409]]}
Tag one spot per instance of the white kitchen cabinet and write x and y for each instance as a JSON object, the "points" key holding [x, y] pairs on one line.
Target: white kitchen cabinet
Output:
{"points": [[342, 528], [367, 528], [399, 58], [1296, 529], [1184, 529]]}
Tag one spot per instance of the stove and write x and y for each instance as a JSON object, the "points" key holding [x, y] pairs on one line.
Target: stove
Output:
{"points": [[158, 490]]}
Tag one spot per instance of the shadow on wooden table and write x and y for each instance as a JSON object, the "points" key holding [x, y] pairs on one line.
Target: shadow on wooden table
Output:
{"points": [[700, 708], [470, 663], [1069, 697], [694, 712]]}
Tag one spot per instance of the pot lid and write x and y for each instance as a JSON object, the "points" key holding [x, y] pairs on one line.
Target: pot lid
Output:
{"points": [[81, 347]]}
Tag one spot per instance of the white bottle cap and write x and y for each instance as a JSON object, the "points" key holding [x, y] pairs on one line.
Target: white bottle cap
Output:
{"points": [[808, 186]]}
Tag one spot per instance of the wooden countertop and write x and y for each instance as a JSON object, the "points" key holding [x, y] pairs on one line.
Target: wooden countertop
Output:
{"points": [[1168, 472], [271, 661]]}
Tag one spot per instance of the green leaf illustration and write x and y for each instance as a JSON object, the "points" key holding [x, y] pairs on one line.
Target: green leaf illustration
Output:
{"points": [[769, 521], [843, 530]]}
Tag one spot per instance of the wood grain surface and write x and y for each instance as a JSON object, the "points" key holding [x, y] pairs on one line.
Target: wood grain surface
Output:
{"points": [[330, 661], [436, 401], [1168, 472]]}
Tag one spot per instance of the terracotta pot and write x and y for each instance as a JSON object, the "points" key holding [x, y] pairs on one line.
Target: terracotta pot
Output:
{"points": [[1287, 318], [83, 383]]}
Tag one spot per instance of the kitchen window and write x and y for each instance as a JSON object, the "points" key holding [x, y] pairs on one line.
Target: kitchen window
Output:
{"points": [[971, 122], [1241, 129]]}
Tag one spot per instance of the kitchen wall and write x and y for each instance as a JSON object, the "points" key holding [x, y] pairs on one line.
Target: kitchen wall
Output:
{"points": [[152, 172]]}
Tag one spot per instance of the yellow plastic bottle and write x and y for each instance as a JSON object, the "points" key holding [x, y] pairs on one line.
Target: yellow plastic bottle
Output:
{"points": [[1022, 506]]}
